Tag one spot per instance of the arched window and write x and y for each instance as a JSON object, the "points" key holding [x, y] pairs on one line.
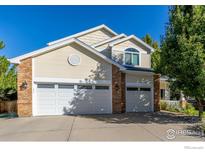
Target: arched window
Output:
{"points": [[131, 56], [132, 50]]}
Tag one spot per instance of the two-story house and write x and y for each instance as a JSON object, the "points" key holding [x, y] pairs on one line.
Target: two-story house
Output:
{"points": [[96, 71]]}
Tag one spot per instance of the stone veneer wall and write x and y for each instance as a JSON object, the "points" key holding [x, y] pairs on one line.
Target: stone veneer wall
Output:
{"points": [[24, 74], [118, 90], [156, 92]]}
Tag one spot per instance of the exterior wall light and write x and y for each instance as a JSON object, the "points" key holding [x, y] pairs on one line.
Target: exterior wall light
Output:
{"points": [[24, 85]]}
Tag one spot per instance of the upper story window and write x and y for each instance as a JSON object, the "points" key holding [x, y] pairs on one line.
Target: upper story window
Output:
{"points": [[131, 56]]}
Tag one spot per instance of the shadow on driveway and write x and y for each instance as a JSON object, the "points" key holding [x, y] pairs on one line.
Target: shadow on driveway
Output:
{"points": [[162, 117]]}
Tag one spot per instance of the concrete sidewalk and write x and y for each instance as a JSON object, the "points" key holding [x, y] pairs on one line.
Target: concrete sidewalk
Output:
{"points": [[117, 127]]}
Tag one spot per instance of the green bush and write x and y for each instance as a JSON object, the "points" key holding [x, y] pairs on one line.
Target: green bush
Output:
{"points": [[203, 127], [175, 107], [190, 110], [169, 107], [8, 84], [163, 105]]}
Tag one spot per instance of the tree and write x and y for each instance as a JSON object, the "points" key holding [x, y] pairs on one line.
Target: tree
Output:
{"points": [[7, 78], [183, 51], [1, 44], [155, 56]]}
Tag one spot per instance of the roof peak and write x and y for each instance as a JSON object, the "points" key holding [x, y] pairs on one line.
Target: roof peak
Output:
{"points": [[83, 33]]}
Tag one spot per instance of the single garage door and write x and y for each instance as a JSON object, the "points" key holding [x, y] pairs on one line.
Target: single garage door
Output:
{"points": [[60, 99], [138, 99]]}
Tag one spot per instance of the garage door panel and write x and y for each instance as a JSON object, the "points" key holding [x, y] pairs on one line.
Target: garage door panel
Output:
{"points": [[64, 109], [45, 112], [101, 93], [46, 94], [103, 109], [64, 100], [101, 104], [45, 107], [77, 109], [45, 102], [65, 93], [139, 100]]}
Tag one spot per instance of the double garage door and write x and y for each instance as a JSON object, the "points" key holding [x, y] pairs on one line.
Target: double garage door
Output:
{"points": [[60, 99], [139, 99]]}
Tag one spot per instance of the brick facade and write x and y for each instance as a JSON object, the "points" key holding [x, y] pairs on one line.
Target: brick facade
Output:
{"points": [[118, 90], [24, 75], [156, 92]]}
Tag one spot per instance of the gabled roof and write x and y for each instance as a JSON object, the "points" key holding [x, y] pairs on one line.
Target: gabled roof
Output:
{"points": [[109, 40], [134, 38], [73, 39], [17, 60], [83, 33]]}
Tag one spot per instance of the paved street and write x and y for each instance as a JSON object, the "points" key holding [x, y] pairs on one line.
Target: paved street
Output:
{"points": [[117, 127]]}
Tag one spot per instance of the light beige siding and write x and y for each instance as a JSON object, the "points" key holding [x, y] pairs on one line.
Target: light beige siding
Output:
{"points": [[118, 51], [128, 44], [164, 84], [95, 37], [118, 55], [55, 65], [106, 50], [132, 78], [145, 60]]}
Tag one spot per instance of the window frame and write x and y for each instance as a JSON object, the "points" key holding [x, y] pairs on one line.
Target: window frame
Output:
{"points": [[102, 87], [145, 89], [132, 88], [132, 53], [125, 58], [66, 86], [84, 87], [46, 86]]}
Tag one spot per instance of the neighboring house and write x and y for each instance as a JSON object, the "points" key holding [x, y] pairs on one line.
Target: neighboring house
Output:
{"points": [[164, 88], [166, 93], [96, 71]]}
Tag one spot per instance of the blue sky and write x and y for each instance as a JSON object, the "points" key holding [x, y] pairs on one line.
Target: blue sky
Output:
{"points": [[27, 28]]}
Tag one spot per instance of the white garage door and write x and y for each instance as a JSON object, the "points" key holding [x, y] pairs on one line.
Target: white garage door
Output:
{"points": [[138, 99], [59, 99]]}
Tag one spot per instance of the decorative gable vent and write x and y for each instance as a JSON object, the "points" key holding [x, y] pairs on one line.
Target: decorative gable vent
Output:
{"points": [[74, 60]]}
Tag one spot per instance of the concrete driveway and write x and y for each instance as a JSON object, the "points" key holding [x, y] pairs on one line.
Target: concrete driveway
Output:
{"points": [[117, 127]]}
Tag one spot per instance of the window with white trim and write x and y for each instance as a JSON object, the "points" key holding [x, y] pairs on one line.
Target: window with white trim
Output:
{"points": [[131, 56]]}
